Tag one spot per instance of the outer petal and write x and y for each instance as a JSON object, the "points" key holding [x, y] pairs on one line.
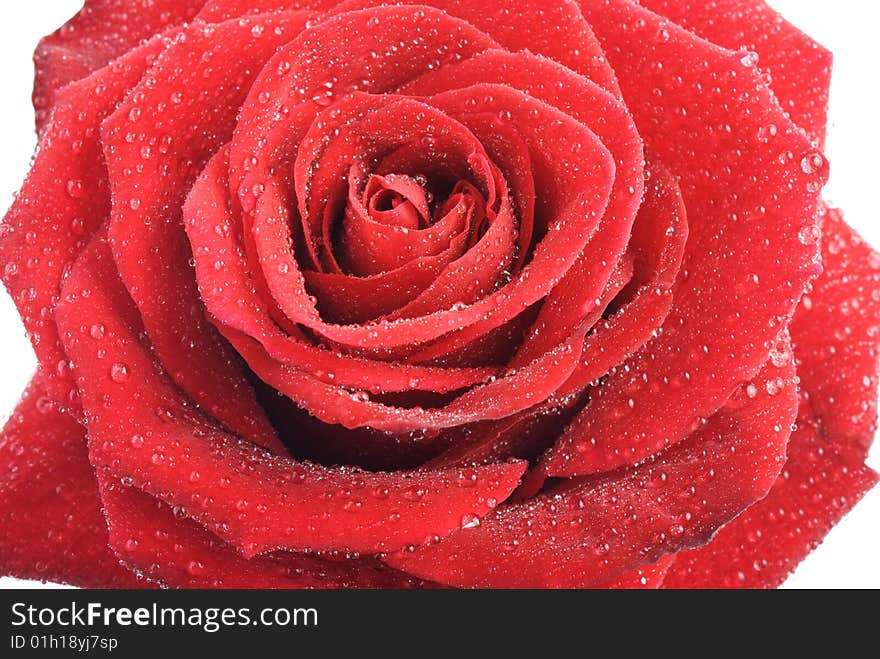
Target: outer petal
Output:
{"points": [[552, 28], [143, 429], [760, 548], [51, 527], [751, 212], [646, 577], [178, 553], [799, 68], [591, 531], [64, 200], [223, 10], [155, 144], [835, 333], [102, 31]]}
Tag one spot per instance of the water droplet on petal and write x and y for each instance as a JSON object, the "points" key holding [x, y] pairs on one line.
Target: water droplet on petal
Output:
{"points": [[75, 188], [812, 163], [775, 385], [119, 372], [809, 235], [749, 59], [469, 521]]}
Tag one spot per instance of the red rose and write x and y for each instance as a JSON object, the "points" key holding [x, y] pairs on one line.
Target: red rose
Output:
{"points": [[434, 293]]}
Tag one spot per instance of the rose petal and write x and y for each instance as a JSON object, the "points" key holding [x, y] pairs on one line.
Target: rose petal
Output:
{"points": [[509, 393], [178, 553], [658, 242], [344, 300], [590, 531], [402, 243], [64, 200], [143, 429], [552, 28], [272, 238], [51, 526], [656, 247], [570, 164], [487, 265], [799, 68], [574, 297], [102, 31], [747, 207], [228, 292], [366, 248], [342, 143], [761, 547], [524, 434], [647, 577], [224, 10], [315, 441], [835, 331], [154, 145]]}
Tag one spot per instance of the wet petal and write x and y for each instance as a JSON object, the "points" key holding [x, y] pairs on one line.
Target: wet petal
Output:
{"points": [[51, 526]]}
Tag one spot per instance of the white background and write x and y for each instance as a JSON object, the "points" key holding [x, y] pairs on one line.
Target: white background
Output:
{"points": [[848, 559]]}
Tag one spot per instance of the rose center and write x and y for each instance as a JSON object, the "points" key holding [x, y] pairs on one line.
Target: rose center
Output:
{"points": [[397, 200], [394, 221]]}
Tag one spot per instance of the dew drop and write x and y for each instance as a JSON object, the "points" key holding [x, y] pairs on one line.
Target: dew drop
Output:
{"points": [[75, 188], [469, 521], [775, 385], [352, 506], [676, 530], [749, 59], [119, 372], [809, 235], [779, 358], [812, 163]]}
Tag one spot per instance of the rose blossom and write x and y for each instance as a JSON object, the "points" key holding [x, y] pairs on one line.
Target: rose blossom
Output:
{"points": [[367, 294]]}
